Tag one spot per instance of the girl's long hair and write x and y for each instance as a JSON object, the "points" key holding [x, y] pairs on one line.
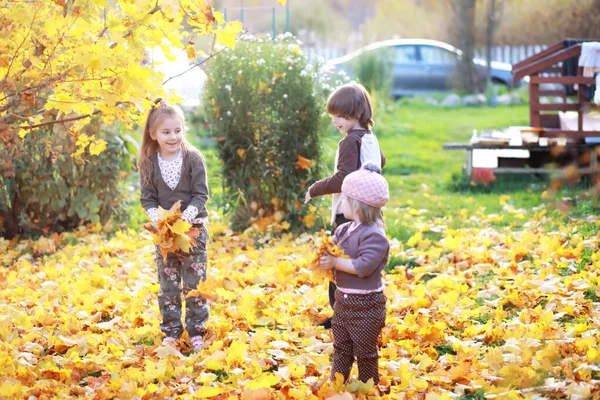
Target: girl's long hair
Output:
{"points": [[149, 146]]}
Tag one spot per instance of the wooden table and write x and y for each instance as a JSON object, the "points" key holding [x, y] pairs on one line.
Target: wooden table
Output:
{"points": [[569, 147]]}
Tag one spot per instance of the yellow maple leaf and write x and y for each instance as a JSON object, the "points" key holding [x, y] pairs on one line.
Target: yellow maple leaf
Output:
{"points": [[166, 351], [206, 288], [97, 147], [183, 243], [327, 247], [227, 34], [164, 214], [215, 361], [171, 233], [191, 52], [309, 221], [236, 354], [180, 227], [207, 391], [264, 380]]}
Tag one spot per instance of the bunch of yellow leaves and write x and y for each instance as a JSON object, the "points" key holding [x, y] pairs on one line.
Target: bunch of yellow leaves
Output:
{"points": [[171, 233], [326, 247]]}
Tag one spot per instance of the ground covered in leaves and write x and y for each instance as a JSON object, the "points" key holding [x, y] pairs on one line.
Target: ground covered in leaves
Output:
{"points": [[484, 311]]}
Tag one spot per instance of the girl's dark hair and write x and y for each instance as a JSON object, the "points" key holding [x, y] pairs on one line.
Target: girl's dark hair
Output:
{"points": [[352, 101]]}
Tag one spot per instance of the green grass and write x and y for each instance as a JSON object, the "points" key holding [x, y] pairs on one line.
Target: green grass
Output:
{"points": [[421, 173], [478, 395], [445, 348]]}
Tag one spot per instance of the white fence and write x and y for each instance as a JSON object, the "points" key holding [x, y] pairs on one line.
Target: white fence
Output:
{"points": [[508, 54]]}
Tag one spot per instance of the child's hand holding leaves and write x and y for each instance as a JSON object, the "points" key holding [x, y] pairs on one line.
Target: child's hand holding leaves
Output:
{"points": [[327, 252], [171, 233]]}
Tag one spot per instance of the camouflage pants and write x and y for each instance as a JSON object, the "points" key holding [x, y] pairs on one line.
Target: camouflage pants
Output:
{"points": [[178, 274]]}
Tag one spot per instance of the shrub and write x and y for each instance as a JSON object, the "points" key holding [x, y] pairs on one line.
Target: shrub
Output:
{"points": [[43, 190], [374, 70], [265, 103]]}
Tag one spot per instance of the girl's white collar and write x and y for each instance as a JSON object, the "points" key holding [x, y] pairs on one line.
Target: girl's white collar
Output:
{"points": [[179, 156]]}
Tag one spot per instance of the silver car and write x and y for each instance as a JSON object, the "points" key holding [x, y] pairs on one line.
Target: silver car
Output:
{"points": [[420, 65]]}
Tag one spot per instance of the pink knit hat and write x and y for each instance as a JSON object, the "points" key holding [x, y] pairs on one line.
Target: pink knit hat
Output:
{"points": [[367, 185]]}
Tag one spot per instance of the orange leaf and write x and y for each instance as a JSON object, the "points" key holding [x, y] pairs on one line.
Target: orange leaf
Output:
{"points": [[326, 247], [205, 289], [263, 223], [304, 163]]}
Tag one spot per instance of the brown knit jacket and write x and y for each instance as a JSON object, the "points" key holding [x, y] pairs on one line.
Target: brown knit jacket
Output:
{"points": [[192, 188], [348, 161]]}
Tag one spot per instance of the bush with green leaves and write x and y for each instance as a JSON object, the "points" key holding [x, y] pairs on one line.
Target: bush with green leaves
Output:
{"points": [[44, 190], [374, 70], [265, 104]]}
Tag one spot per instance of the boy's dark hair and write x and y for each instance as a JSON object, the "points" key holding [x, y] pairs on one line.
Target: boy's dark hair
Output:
{"points": [[352, 101]]}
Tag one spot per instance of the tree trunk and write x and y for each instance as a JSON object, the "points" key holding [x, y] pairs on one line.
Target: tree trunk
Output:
{"points": [[467, 78], [10, 216], [490, 37]]}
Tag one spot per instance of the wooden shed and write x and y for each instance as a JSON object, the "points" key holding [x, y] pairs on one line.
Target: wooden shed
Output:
{"points": [[558, 66], [559, 132]]}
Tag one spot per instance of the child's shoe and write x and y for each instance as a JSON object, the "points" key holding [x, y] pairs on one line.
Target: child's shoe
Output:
{"points": [[170, 341], [197, 343], [326, 324]]}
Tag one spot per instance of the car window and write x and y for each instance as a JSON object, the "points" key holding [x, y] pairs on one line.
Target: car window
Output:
{"points": [[436, 55], [406, 54]]}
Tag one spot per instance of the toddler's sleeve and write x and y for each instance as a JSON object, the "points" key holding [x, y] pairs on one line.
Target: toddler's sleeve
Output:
{"points": [[372, 249]]}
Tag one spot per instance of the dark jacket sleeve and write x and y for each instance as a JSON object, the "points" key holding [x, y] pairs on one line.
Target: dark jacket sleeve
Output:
{"points": [[348, 161], [148, 192], [198, 183], [372, 249]]}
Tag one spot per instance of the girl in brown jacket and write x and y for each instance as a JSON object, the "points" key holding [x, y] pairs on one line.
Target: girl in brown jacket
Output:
{"points": [[172, 170]]}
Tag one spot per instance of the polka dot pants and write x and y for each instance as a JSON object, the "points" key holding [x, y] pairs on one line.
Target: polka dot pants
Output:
{"points": [[357, 322]]}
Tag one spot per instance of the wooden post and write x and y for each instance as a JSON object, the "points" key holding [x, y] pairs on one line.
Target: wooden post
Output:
{"points": [[287, 16], [594, 164], [534, 104], [274, 27], [469, 163], [580, 101]]}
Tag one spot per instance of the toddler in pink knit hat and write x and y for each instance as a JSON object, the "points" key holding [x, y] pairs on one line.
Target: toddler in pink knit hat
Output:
{"points": [[360, 305]]}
